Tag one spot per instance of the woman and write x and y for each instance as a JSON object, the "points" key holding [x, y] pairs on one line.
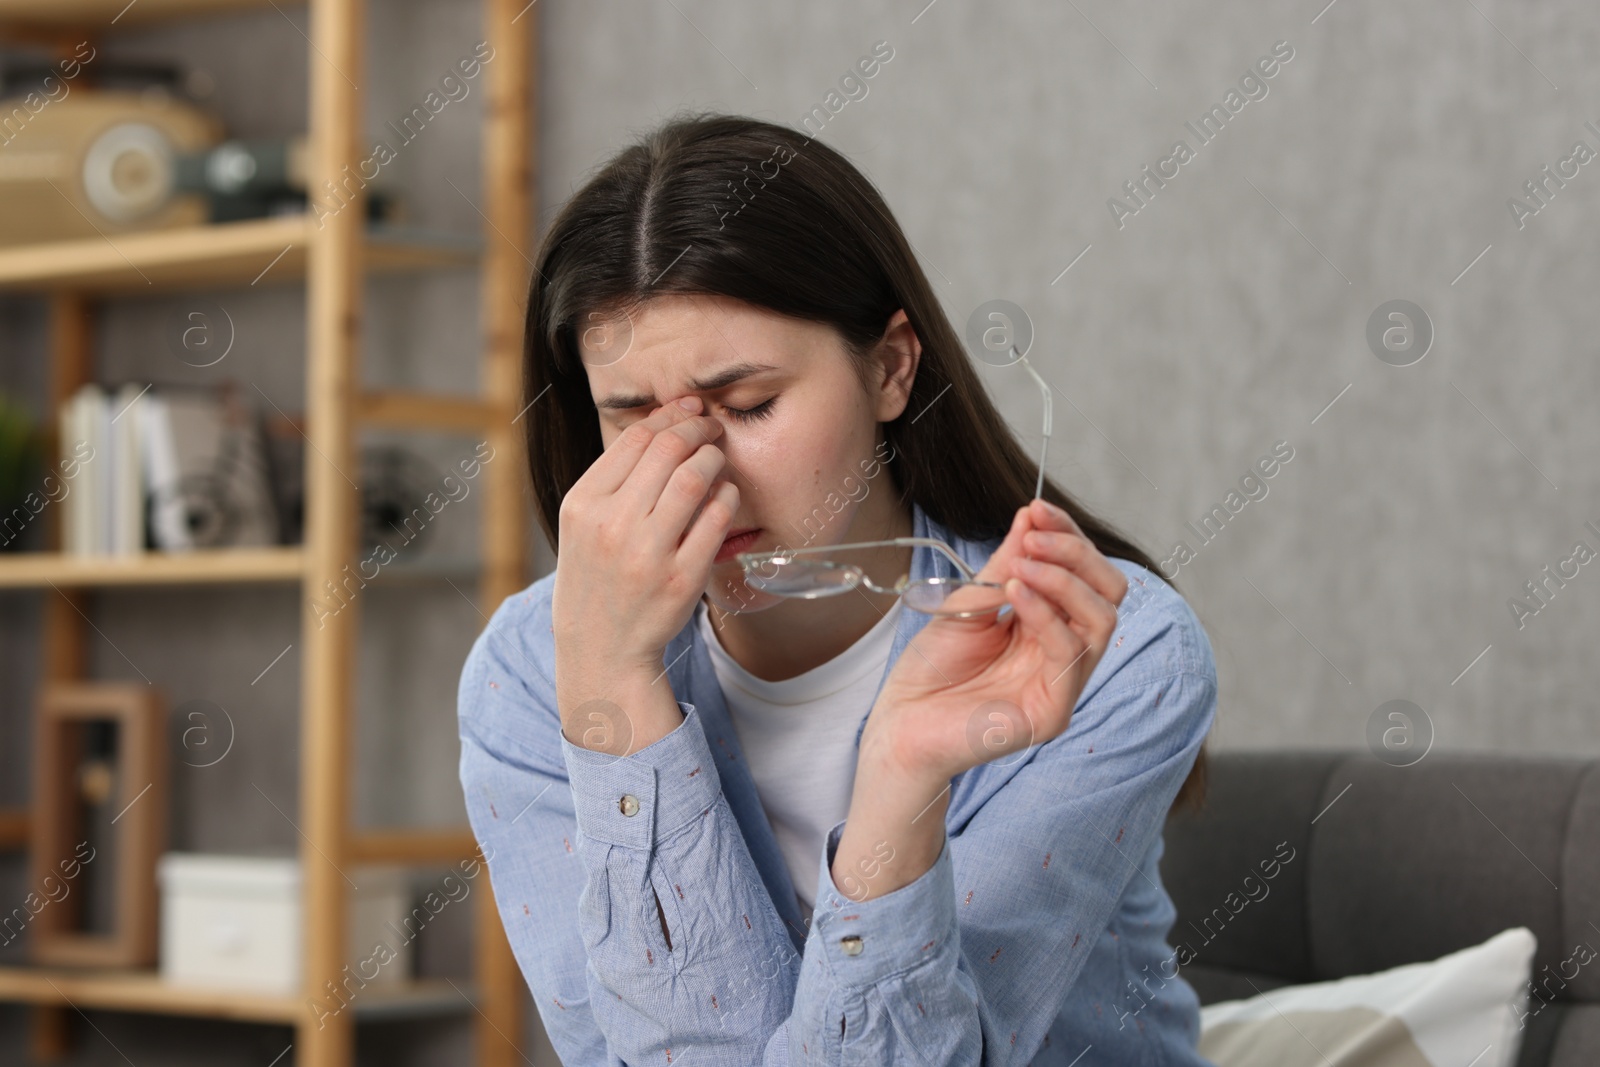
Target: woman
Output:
{"points": [[730, 827]]}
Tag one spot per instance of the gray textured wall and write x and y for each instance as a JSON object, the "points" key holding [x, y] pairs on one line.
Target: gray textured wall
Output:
{"points": [[1230, 312]]}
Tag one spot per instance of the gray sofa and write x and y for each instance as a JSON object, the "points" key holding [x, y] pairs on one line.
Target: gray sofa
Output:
{"points": [[1390, 866]]}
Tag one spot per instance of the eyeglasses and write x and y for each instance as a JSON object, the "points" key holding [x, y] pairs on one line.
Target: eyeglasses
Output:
{"points": [[803, 572]]}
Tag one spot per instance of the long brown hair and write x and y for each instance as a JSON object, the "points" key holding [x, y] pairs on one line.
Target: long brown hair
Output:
{"points": [[733, 206]]}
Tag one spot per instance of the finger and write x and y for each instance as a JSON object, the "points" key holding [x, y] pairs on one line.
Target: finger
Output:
{"points": [[668, 450], [1048, 516], [1082, 557], [997, 568], [1090, 615], [612, 468], [686, 491], [1060, 645], [706, 533]]}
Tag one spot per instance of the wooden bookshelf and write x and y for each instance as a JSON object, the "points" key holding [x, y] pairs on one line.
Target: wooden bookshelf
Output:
{"points": [[232, 566], [101, 15], [144, 991], [397, 409], [251, 253], [331, 260], [202, 566], [412, 846]]}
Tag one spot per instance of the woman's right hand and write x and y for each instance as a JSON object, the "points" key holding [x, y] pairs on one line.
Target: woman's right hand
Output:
{"points": [[634, 556]]}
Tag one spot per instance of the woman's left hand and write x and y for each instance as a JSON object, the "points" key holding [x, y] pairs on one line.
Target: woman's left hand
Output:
{"points": [[968, 691]]}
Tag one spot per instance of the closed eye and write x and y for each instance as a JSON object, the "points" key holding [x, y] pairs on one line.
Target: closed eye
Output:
{"points": [[760, 411]]}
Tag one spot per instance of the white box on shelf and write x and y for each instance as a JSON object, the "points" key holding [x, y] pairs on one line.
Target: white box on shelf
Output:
{"points": [[237, 921]]}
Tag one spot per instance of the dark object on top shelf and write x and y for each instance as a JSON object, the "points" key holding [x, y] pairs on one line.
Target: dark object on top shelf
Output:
{"points": [[21, 76], [252, 179], [92, 162], [104, 146]]}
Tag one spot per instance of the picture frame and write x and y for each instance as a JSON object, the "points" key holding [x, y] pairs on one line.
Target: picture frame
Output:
{"points": [[99, 747]]}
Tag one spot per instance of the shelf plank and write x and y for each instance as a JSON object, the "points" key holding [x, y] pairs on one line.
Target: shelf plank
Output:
{"points": [[146, 992], [142, 991], [98, 16], [29, 570], [401, 409], [283, 563], [266, 251], [412, 846]]}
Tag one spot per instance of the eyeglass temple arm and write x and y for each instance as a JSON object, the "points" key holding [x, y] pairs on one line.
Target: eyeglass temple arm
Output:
{"points": [[1044, 388], [961, 564]]}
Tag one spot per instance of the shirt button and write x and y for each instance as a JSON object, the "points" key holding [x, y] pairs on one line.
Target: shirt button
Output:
{"points": [[629, 804], [851, 945]]}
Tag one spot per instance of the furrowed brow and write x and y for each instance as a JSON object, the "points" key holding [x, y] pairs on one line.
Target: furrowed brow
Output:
{"points": [[725, 377]]}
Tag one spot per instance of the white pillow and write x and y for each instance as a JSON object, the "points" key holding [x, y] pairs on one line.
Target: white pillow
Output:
{"points": [[1460, 1009]]}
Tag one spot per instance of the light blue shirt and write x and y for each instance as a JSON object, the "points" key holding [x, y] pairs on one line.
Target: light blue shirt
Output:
{"points": [[1039, 933]]}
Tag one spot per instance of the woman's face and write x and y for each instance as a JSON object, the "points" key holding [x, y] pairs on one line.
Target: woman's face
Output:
{"points": [[801, 434]]}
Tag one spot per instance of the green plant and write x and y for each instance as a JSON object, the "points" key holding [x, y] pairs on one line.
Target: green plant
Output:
{"points": [[20, 451]]}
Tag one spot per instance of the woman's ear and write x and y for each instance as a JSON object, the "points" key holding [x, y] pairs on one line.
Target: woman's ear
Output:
{"points": [[899, 353]]}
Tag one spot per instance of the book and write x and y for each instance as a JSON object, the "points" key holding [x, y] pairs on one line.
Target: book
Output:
{"points": [[210, 486], [81, 417], [169, 528], [126, 512], [170, 468]]}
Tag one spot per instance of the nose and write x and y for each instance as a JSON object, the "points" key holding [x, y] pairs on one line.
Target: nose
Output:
{"points": [[688, 402]]}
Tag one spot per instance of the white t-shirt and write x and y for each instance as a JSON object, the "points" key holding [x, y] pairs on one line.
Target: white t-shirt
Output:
{"points": [[799, 736]]}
